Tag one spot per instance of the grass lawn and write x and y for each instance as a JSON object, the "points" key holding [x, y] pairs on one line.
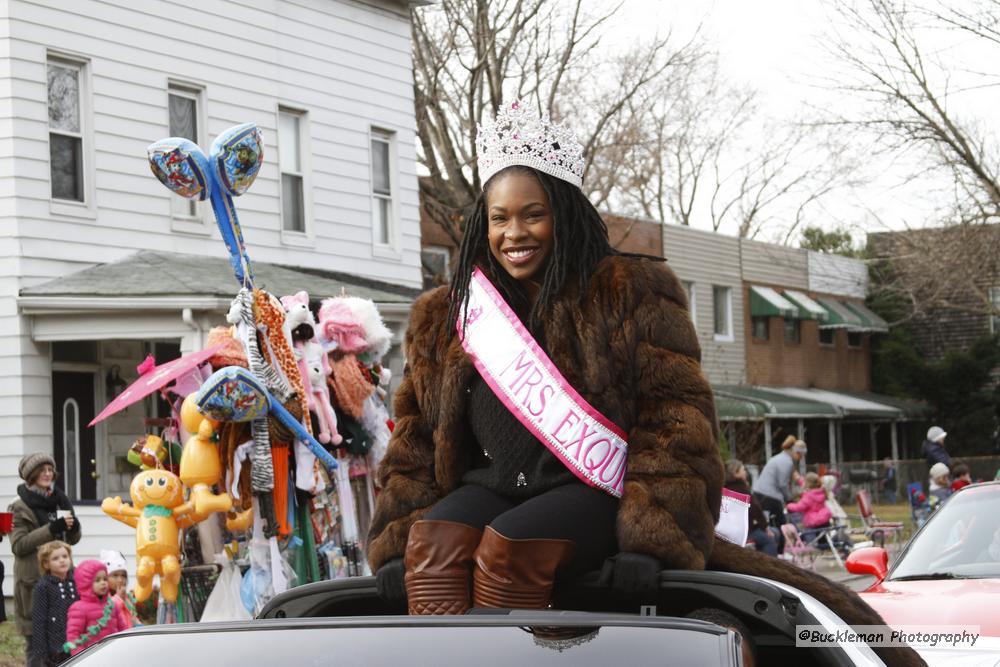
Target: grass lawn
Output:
{"points": [[11, 646]]}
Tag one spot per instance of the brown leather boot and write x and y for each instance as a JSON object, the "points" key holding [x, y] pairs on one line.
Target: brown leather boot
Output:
{"points": [[438, 564], [516, 574]]}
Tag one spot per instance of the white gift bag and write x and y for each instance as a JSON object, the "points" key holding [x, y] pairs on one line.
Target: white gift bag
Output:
{"points": [[734, 517], [224, 603]]}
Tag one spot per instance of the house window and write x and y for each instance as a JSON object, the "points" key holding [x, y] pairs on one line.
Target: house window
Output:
{"points": [[760, 328], [793, 330], [182, 109], [722, 303], [854, 339], [826, 336], [995, 317], [66, 158], [434, 261], [689, 290], [290, 151], [382, 208]]}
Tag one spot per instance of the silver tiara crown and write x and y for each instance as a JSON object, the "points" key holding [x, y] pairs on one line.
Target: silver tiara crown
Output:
{"points": [[517, 136]]}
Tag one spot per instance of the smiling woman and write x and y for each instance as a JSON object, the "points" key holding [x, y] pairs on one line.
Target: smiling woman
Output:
{"points": [[553, 418], [520, 225]]}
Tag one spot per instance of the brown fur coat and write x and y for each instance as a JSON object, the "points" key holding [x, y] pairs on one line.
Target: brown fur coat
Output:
{"points": [[630, 349]]}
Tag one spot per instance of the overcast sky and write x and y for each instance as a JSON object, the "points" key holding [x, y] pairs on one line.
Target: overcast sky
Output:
{"points": [[777, 47]]}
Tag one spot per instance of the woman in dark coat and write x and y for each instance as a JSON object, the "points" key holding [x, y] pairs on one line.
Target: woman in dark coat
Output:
{"points": [[37, 520], [474, 510], [760, 532]]}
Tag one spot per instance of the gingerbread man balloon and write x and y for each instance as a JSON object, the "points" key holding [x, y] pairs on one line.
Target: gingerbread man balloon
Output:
{"points": [[158, 513]]}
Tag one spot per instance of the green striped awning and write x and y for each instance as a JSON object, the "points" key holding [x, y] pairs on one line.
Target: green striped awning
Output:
{"points": [[765, 302], [808, 309], [839, 316], [870, 321]]}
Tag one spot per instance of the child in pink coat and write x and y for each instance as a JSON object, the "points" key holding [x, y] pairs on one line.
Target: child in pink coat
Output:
{"points": [[94, 616], [812, 504]]}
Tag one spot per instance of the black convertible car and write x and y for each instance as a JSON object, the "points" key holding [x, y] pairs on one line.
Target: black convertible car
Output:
{"points": [[344, 623]]}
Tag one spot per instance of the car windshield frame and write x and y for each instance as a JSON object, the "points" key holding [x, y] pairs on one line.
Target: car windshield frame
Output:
{"points": [[959, 532], [505, 630]]}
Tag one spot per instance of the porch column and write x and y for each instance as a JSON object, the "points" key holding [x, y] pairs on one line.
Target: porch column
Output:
{"points": [[767, 440], [801, 434], [831, 435], [895, 442], [872, 427], [841, 450]]}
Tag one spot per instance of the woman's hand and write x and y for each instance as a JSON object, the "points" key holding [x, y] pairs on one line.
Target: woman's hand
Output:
{"points": [[630, 572], [58, 526], [389, 581]]}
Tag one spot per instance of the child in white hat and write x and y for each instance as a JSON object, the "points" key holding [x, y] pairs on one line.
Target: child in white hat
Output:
{"points": [[118, 586], [940, 486]]}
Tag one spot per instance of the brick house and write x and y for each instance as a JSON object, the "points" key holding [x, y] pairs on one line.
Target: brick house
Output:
{"points": [[953, 273]]}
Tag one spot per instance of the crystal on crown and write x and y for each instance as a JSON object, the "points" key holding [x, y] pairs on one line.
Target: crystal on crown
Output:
{"points": [[517, 136]]}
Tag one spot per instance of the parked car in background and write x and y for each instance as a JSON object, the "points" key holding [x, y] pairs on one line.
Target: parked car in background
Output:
{"points": [[948, 573]]}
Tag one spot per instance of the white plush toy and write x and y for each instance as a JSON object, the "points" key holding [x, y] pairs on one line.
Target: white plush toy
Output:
{"points": [[299, 325]]}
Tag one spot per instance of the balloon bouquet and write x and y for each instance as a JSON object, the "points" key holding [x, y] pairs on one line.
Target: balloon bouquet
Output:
{"points": [[231, 396]]}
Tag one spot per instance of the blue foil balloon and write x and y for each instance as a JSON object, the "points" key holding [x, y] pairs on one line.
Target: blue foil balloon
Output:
{"points": [[228, 171], [232, 393]]}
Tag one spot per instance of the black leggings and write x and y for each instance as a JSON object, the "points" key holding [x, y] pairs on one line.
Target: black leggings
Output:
{"points": [[575, 512], [776, 509]]}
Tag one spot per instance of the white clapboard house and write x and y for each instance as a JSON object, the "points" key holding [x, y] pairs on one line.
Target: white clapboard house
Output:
{"points": [[101, 265]]}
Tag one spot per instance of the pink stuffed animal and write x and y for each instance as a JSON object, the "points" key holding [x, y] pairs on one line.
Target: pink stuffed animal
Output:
{"points": [[340, 328], [313, 364], [317, 366]]}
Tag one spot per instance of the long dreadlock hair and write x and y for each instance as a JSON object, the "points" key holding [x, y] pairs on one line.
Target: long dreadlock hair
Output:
{"points": [[580, 241]]}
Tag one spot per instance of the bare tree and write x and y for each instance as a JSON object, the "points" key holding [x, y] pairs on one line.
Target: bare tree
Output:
{"points": [[909, 90], [909, 94], [708, 157], [790, 170], [471, 55]]}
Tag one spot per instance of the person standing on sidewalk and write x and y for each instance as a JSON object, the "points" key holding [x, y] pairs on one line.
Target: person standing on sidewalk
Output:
{"points": [[42, 513], [773, 488], [933, 447]]}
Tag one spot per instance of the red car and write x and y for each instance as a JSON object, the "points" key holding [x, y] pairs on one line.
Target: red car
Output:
{"points": [[948, 574]]}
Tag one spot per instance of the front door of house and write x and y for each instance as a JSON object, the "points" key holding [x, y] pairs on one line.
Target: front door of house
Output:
{"points": [[74, 449]]}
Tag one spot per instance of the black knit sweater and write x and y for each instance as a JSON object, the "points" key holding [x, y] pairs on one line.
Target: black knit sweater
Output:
{"points": [[506, 458], [50, 605]]}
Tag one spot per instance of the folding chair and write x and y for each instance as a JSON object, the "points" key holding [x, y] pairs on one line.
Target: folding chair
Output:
{"points": [[801, 553], [856, 536], [873, 525], [818, 537]]}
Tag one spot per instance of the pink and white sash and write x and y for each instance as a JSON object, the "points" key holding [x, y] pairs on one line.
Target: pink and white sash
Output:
{"points": [[532, 388], [527, 382]]}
